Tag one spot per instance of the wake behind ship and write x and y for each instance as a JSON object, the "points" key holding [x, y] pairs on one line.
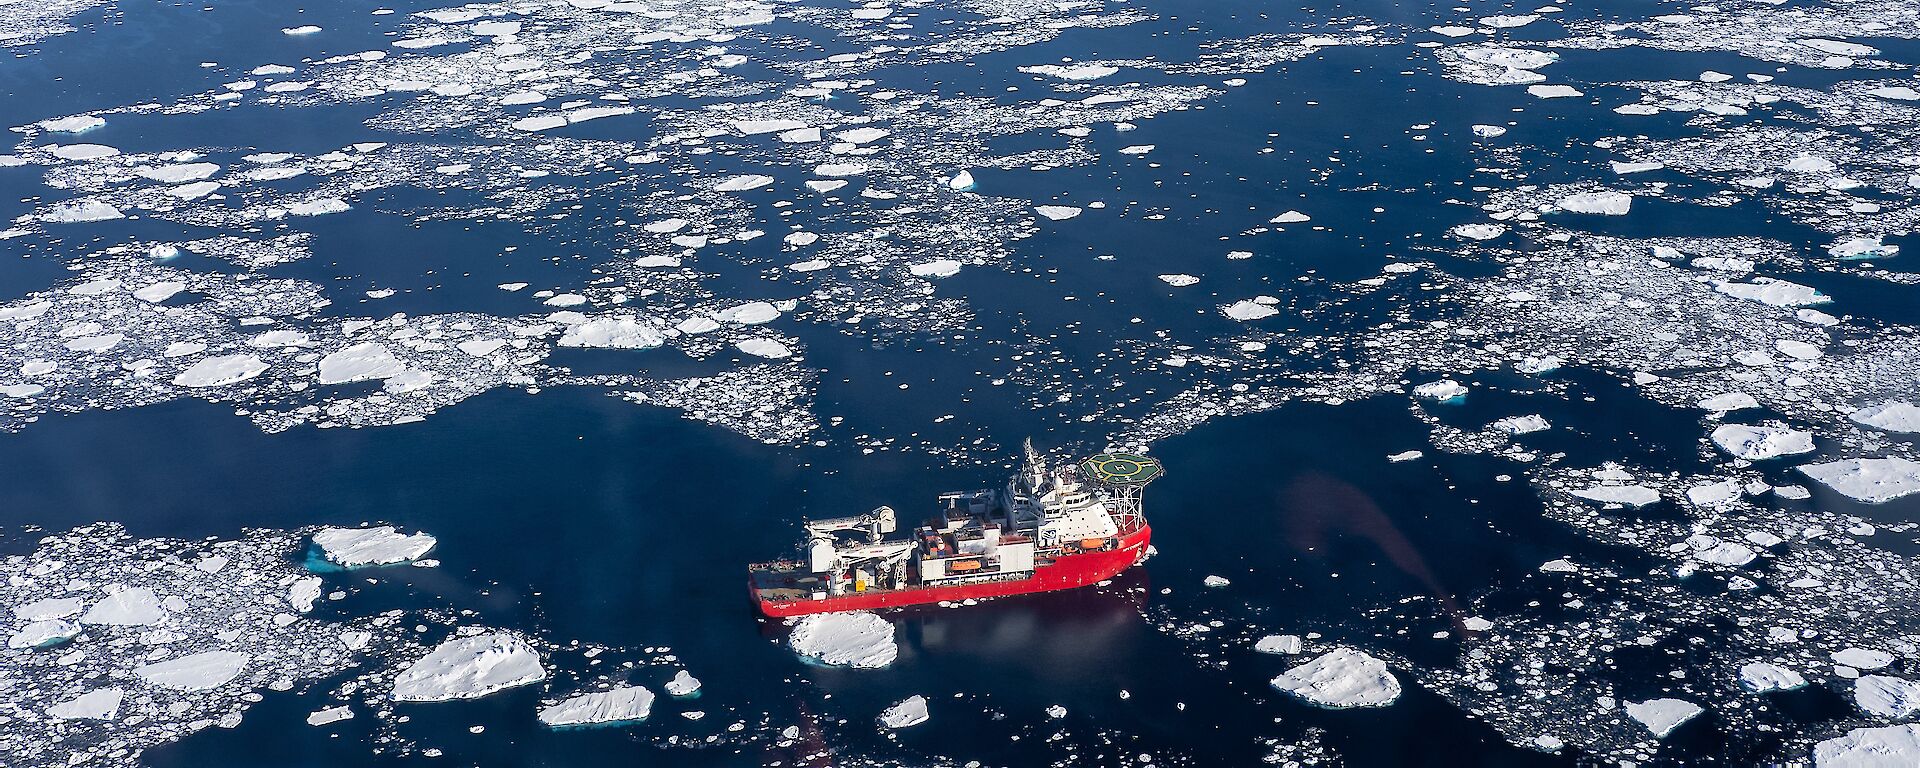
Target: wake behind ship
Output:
{"points": [[1048, 529]]}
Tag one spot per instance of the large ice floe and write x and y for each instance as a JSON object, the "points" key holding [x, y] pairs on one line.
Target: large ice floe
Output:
{"points": [[470, 667], [851, 639], [1342, 678]]}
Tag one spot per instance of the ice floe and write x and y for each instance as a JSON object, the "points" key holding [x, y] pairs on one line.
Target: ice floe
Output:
{"points": [[1340, 679], [853, 639], [470, 667], [625, 704]]}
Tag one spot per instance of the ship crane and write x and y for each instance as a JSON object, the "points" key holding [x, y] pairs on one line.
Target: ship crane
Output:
{"points": [[863, 563], [877, 524]]}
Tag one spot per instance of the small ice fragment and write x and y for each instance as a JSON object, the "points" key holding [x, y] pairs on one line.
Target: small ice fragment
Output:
{"points": [[1287, 645], [1215, 581], [1057, 212], [1179, 281]]}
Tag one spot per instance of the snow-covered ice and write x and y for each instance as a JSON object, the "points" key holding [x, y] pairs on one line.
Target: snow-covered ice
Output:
{"points": [[621, 705], [196, 672], [906, 713], [470, 667], [1340, 679], [1870, 480], [853, 639], [1663, 715], [379, 545]]}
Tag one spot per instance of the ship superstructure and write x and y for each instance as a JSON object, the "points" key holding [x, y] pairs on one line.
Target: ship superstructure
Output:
{"points": [[1048, 528]]}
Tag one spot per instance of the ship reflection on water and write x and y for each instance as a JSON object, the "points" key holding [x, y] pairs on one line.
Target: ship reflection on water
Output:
{"points": [[1048, 641]]}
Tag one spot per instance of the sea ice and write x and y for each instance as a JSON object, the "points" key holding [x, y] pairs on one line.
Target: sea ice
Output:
{"points": [[1779, 293], [381, 545], [1249, 310], [1340, 679], [330, 715], [625, 704], [1870, 480], [126, 607], [470, 667], [1661, 716], [936, 268], [683, 684], [1603, 203], [1729, 401], [197, 672], [1892, 416], [1443, 390], [1895, 746], [1761, 677], [1278, 644], [1630, 495], [908, 712], [1079, 72], [767, 348], [614, 333], [1758, 443], [1862, 658], [220, 371], [743, 183], [43, 633], [1179, 281], [1554, 91], [1887, 696], [102, 704], [360, 362], [856, 639], [1057, 212]]}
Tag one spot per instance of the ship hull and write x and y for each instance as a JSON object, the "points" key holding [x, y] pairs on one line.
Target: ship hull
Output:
{"points": [[1067, 572]]}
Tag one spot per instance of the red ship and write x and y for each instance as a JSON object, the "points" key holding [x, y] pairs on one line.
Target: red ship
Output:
{"points": [[1048, 529]]}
